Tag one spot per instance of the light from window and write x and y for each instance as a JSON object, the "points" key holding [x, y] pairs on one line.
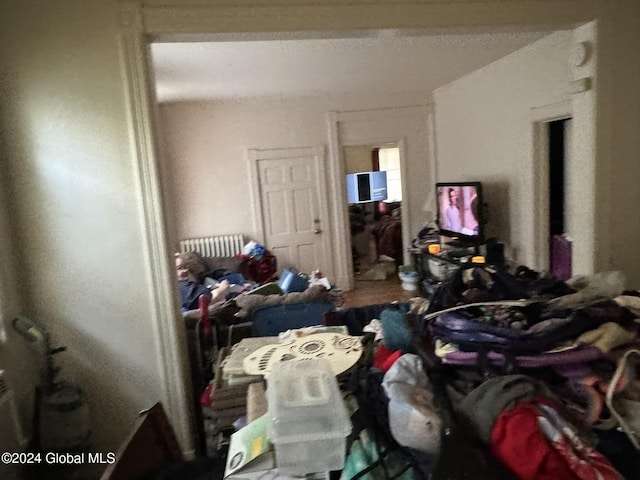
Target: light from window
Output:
{"points": [[389, 161]]}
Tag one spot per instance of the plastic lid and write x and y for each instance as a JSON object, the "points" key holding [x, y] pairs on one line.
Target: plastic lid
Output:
{"points": [[304, 402]]}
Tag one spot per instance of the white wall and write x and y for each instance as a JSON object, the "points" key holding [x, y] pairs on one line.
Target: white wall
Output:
{"points": [[79, 250], [619, 116], [21, 376], [605, 156], [206, 144], [484, 132]]}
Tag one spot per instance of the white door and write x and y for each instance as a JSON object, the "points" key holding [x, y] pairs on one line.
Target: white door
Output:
{"points": [[292, 206]]}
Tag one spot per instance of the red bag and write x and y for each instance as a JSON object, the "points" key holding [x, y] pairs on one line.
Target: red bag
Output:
{"points": [[263, 269], [536, 443]]}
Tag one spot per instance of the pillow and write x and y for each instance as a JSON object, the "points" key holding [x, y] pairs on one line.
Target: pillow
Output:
{"points": [[248, 303], [315, 293]]}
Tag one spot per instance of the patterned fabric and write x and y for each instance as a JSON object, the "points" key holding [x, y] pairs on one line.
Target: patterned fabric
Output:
{"points": [[586, 462], [536, 443]]}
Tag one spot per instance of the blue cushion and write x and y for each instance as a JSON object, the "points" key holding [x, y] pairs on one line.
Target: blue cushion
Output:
{"points": [[271, 320]]}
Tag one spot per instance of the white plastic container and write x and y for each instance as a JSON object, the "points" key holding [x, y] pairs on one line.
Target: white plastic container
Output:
{"points": [[409, 280], [309, 421]]}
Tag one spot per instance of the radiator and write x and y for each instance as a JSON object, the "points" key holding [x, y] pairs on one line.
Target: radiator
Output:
{"points": [[218, 246]]}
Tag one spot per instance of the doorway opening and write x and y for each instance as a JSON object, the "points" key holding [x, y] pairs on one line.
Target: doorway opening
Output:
{"points": [[558, 132], [375, 210], [137, 77]]}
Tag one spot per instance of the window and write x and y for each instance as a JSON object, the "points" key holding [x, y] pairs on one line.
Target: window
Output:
{"points": [[389, 159]]}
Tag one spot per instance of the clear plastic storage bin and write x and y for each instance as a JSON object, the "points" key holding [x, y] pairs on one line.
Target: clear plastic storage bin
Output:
{"points": [[309, 420]]}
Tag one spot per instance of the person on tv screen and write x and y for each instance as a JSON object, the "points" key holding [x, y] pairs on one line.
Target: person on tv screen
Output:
{"points": [[475, 210], [472, 224], [452, 219]]}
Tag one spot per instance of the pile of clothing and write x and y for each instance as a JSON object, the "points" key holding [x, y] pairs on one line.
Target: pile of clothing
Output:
{"points": [[524, 375], [261, 264]]}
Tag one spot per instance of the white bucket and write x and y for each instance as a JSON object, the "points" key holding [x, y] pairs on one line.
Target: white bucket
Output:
{"points": [[409, 280]]}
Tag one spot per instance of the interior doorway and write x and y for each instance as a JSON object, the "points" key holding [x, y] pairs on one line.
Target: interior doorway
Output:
{"points": [[374, 201], [403, 127], [141, 24], [554, 148], [560, 264]]}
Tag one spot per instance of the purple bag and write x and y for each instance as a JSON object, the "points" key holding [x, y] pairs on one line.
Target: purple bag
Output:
{"points": [[469, 333], [578, 354]]}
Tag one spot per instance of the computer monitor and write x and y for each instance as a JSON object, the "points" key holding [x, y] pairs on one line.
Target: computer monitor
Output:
{"points": [[365, 187]]}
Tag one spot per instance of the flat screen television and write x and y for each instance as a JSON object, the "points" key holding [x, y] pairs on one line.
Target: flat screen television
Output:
{"points": [[365, 187], [460, 211]]}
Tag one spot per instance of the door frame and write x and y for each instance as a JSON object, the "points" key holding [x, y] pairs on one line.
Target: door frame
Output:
{"points": [[540, 117], [337, 174], [140, 25], [318, 154]]}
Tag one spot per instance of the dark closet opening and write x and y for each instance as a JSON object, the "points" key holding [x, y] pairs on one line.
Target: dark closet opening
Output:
{"points": [[560, 249], [556, 176]]}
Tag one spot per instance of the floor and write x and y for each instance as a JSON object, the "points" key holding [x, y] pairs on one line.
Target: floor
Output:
{"points": [[369, 292], [369, 266]]}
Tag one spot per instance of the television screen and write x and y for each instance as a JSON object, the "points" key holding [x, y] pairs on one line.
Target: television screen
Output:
{"points": [[366, 187], [460, 210]]}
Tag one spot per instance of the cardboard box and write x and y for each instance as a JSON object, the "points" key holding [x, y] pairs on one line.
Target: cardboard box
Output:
{"points": [[151, 446]]}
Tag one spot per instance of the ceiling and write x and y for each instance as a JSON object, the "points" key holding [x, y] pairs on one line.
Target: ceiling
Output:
{"points": [[371, 63]]}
